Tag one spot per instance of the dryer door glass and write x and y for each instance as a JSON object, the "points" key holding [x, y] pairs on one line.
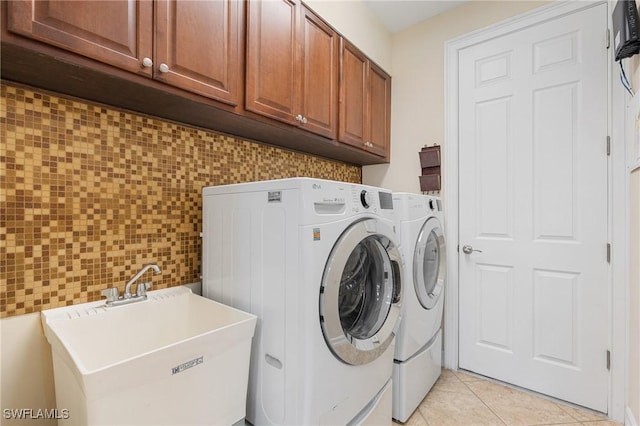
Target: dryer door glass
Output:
{"points": [[429, 264], [360, 293], [365, 294], [431, 260]]}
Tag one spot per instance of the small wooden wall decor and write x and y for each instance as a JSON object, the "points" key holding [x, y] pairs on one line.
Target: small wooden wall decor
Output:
{"points": [[430, 164]]}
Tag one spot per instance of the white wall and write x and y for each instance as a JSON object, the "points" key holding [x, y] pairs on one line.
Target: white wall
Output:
{"points": [[633, 375], [27, 368], [633, 259], [417, 107]]}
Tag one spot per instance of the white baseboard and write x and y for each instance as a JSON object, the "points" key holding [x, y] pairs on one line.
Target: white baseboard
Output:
{"points": [[629, 420]]}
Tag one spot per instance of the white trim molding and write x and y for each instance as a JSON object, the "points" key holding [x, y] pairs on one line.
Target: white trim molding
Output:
{"points": [[617, 198], [629, 420]]}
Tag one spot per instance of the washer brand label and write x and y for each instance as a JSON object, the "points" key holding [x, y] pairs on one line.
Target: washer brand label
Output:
{"points": [[316, 234], [187, 365], [274, 197]]}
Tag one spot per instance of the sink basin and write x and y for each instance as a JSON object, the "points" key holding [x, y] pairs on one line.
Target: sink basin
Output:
{"points": [[176, 358]]}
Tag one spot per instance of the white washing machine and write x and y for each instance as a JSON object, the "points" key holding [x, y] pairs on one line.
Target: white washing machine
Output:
{"points": [[317, 261], [418, 352]]}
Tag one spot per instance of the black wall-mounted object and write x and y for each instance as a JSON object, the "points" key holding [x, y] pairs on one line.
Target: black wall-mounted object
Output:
{"points": [[626, 29]]}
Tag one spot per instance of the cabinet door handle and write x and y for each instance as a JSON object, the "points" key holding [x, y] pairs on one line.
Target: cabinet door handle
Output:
{"points": [[164, 68], [147, 63]]}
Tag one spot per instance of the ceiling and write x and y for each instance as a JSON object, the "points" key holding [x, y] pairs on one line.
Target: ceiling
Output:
{"points": [[400, 14]]}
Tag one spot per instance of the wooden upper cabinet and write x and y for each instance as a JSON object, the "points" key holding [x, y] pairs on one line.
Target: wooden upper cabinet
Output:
{"points": [[365, 102], [353, 95], [118, 32], [292, 66], [198, 44], [273, 59], [319, 76], [379, 111], [199, 47], [258, 60]]}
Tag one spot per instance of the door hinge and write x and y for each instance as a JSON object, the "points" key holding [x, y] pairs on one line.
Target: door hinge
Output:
{"points": [[608, 146], [608, 359], [608, 38], [608, 253]]}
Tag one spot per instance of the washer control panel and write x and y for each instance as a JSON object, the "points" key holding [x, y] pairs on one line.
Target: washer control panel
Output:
{"points": [[371, 200]]}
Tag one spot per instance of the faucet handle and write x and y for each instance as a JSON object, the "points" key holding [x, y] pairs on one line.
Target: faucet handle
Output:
{"points": [[111, 294], [142, 288]]}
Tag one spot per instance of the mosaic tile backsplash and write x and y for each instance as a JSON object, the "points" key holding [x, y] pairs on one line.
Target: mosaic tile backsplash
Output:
{"points": [[89, 194]]}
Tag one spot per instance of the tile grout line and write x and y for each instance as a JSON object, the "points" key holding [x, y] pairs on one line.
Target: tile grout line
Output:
{"points": [[563, 408], [575, 420], [484, 403], [423, 417]]}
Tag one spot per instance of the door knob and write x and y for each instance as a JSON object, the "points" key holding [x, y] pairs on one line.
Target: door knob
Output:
{"points": [[467, 249]]}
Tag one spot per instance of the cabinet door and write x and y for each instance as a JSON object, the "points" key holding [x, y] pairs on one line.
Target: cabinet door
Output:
{"points": [[319, 76], [198, 46], [273, 55], [117, 32], [379, 111], [353, 95]]}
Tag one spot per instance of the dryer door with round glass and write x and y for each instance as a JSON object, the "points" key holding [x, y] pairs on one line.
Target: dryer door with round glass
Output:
{"points": [[361, 293], [429, 263]]}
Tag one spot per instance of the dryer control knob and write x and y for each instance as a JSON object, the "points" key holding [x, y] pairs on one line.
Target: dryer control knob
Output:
{"points": [[431, 206], [365, 199]]}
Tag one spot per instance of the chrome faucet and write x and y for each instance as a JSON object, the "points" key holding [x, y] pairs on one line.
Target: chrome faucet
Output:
{"points": [[113, 297], [136, 277]]}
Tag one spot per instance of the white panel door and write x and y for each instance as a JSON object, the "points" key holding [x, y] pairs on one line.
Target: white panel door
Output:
{"points": [[533, 202]]}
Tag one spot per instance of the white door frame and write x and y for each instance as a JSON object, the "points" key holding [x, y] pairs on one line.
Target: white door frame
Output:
{"points": [[616, 204]]}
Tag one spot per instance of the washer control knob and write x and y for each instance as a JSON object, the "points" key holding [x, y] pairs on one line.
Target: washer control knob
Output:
{"points": [[365, 199], [431, 205]]}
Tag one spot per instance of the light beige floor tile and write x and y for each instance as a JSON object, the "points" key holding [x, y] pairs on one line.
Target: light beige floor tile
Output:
{"points": [[455, 409], [582, 415], [602, 423], [563, 424], [518, 408], [450, 386], [448, 376], [416, 419], [466, 377]]}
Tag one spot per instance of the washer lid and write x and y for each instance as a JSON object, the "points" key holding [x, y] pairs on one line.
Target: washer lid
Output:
{"points": [[429, 260], [360, 293]]}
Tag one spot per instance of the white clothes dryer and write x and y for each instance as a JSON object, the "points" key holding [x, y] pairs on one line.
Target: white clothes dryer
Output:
{"points": [[318, 262], [418, 352]]}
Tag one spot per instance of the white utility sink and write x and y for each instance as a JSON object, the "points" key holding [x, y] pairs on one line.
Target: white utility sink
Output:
{"points": [[173, 359]]}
